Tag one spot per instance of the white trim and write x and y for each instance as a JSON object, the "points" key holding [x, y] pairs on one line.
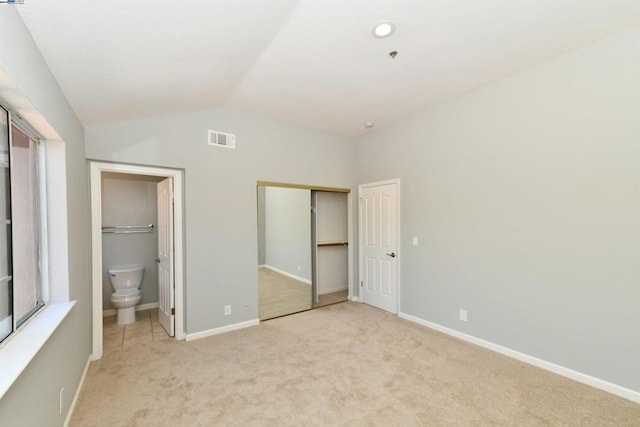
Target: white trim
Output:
{"points": [[96, 258], [140, 307], [284, 273], [96, 170], [21, 347], [626, 393], [44, 229], [57, 222], [77, 394], [354, 298], [395, 181], [222, 329]]}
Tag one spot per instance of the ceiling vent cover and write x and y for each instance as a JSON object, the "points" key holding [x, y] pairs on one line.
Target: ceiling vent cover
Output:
{"points": [[222, 139]]}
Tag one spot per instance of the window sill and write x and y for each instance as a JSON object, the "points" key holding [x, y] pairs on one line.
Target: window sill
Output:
{"points": [[22, 347]]}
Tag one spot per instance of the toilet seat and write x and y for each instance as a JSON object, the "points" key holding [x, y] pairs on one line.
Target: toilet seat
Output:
{"points": [[126, 298], [126, 292]]}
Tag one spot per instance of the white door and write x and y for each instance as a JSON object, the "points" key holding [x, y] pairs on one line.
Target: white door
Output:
{"points": [[379, 245], [165, 255]]}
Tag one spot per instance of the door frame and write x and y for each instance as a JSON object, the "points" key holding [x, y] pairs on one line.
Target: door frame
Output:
{"points": [[395, 181], [96, 168]]}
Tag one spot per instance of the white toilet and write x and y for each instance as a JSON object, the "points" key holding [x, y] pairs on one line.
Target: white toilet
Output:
{"points": [[126, 283]]}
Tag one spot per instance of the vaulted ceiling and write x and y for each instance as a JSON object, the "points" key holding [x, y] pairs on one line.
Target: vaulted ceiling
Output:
{"points": [[311, 62]]}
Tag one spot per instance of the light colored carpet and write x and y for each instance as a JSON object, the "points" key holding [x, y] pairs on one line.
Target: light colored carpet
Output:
{"points": [[345, 364], [279, 295]]}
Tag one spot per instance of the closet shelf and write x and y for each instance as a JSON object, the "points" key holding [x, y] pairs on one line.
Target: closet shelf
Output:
{"points": [[324, 244]]}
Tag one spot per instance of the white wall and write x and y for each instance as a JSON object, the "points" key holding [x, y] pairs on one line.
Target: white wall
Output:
{"points": [[26, 84], [220, 192], [288, 230], [130, 200], [525, 197]]}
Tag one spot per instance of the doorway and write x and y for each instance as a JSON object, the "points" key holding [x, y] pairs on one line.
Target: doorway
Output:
{"points": [[169, 227], [379, 227]]}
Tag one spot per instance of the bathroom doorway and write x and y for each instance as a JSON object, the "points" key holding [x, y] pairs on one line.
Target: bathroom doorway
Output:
{"points": [[137, 233]]}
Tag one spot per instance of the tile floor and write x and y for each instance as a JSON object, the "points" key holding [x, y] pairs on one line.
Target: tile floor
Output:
{"points": [[145, 329]]}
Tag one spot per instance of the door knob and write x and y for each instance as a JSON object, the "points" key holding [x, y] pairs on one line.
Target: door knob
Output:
{"points": [[392, 254], [158, 260]]}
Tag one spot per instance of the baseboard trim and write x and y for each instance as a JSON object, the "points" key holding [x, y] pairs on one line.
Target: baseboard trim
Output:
{"points": [[72, 407], [603, 385], [141, 307], [354, 298], [222, 330], [284, 273]]}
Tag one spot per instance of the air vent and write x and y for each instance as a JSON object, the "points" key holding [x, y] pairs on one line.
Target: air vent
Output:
{"points": [[222, 139]]}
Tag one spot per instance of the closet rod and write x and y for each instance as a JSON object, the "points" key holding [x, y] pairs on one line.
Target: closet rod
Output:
{"points": [[333, 244], [125, 229]]}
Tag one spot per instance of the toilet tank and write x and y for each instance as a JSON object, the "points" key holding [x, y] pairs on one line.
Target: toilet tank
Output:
{"points": [[126, 277]]}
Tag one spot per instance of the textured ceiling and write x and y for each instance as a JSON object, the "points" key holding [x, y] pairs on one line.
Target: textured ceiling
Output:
{"points": [[312, 62]]}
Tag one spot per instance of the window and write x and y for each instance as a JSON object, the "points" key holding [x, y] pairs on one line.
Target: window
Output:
{"points": [[20, 256]]}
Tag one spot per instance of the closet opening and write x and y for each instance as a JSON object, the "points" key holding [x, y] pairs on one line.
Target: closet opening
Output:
{"points": [[304, 256]]}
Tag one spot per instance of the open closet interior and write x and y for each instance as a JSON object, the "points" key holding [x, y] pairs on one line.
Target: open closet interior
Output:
{"points": [[303, 258], [330, 256]]}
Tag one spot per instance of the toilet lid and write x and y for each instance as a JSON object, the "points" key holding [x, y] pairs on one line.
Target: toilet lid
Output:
{"points": [[126, 293]]}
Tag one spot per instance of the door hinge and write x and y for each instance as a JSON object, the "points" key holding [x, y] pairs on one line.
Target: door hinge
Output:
{"points": [[173, 311], [361, 283]]}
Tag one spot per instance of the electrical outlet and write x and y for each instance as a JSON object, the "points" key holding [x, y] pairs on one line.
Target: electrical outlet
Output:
{"points": [[299, 268], [227, 310], [463, 315], [415, 241], [61, 401], [246, 307]]}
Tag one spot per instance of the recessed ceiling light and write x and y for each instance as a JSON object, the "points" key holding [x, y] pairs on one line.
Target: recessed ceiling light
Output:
{"points": [[368, 125], [383, 29]]}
